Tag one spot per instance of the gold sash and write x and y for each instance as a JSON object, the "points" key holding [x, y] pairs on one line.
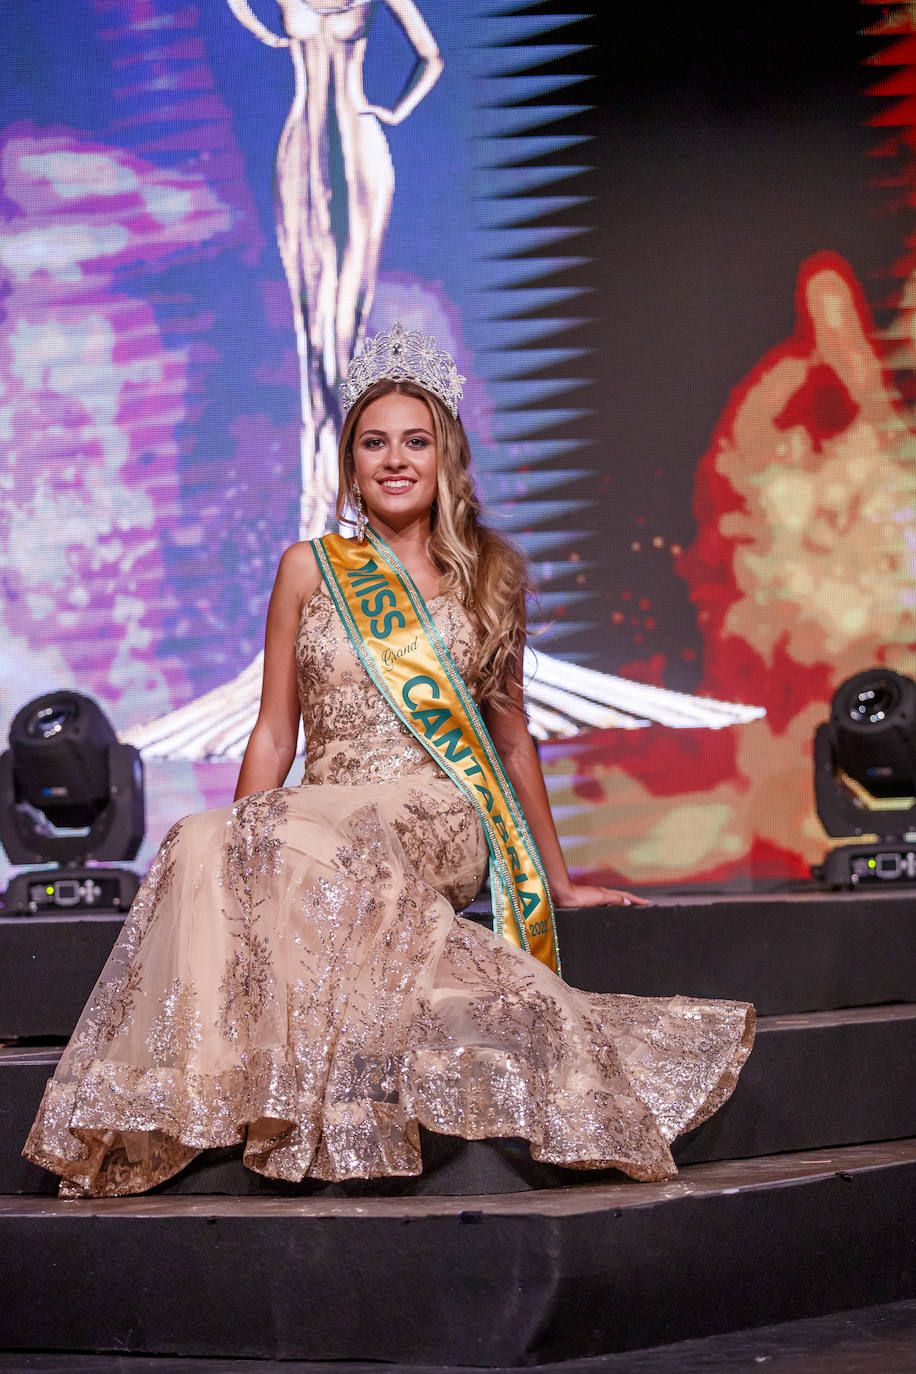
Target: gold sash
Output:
{"points": [[399, 645]]}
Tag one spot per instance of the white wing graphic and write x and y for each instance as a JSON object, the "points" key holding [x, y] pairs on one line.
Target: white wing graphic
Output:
{"points": [[561, 699]]}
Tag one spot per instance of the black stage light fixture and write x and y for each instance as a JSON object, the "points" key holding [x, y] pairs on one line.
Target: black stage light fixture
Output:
{"points": [[865, 779], [69, 792]]}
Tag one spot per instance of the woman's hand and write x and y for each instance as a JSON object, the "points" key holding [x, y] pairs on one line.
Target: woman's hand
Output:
{"points": [[585, 894], [383, 115]]}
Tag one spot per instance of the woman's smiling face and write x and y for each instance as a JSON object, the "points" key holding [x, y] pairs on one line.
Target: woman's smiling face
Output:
{"points": [[395, 459]]}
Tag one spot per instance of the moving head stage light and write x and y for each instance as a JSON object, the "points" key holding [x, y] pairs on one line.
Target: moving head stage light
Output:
{"points": [[865, 779], [69, 792]]}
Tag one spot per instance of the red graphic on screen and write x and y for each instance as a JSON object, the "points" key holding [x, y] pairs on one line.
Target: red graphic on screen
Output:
{"points": [[802, 571], [802, 574]]}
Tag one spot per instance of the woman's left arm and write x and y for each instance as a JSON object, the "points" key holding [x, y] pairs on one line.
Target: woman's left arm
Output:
{"points": [[509, 731], [426, 72]]}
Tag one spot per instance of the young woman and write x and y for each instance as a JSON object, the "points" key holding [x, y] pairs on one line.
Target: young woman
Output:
{"points": [[292, 975]]}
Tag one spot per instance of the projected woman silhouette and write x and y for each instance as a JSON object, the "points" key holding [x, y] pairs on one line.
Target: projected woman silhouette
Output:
{"points": [[334, 185]]}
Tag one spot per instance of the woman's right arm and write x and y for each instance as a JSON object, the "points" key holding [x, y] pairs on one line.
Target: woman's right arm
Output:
{"points": [[272, 746]]}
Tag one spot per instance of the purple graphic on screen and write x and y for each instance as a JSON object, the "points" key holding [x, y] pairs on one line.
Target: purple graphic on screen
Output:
{"points": [[93, 399]]}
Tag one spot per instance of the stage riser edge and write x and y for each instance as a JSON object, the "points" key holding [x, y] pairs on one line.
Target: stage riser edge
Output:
{"points": [[784, 955], [469, 1289]]}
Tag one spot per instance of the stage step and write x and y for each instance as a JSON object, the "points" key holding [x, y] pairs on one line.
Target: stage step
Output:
{"points": [[526, 1279], [779, 1211], [816, 1080], [48, 968], [796, 953]]}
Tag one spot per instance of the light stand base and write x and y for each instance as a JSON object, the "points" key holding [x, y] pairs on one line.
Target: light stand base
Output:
{"points": [[888, 861], [71, 889]]}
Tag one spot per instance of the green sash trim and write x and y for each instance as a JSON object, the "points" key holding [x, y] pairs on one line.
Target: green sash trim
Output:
{"points": [[399, 645]]}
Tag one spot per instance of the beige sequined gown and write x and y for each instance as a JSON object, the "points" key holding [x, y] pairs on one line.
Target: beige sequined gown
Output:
{"points": [[292, 975]]}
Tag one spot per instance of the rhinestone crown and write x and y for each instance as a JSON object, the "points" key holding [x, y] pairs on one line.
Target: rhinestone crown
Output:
{"points": [[403, 355]]}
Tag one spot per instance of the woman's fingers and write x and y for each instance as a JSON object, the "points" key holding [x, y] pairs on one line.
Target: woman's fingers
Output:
{"points": [[617, 898], [584, 895]]}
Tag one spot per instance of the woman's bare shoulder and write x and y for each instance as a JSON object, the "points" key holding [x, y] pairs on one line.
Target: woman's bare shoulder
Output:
{"points": [[298, 572]]}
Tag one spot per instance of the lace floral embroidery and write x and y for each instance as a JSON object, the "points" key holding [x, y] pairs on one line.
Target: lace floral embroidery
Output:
{"points": [[438, 838], [364, 860], [352, 734], [252, 848], [252, 854], [110, 1013], [177, 1029], [155, 888], [246, 986]]}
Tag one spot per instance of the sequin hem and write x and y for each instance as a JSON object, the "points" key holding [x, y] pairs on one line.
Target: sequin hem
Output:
{"points": [[88, 1135]]}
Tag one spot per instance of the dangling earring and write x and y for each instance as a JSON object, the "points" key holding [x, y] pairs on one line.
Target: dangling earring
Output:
{"points": [[361, 521]]}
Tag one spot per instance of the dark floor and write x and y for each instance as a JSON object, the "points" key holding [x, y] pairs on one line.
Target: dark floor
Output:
{"points": [[871, 1340]]}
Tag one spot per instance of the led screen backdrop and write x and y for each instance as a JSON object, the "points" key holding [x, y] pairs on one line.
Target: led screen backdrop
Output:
{"points": [[680, 291]]}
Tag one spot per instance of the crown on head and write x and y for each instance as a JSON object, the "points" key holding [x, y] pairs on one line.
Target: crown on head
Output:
{"points": [[403, 355]]}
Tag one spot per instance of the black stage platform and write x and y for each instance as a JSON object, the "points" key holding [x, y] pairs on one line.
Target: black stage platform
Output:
{"points": [[541, 1276], [810, 951], [798, 1198]]}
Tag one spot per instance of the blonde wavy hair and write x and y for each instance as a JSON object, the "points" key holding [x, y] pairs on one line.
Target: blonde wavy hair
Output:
{"points": [[486, 572]]}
